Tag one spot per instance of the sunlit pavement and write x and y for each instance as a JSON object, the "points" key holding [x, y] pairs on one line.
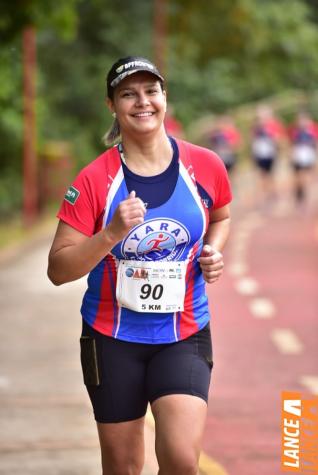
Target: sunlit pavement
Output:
{"points": [[265, 329], [46, 424]]}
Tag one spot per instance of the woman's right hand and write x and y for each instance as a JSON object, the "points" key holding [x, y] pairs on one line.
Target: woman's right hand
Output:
{"points": [[128, 214]]}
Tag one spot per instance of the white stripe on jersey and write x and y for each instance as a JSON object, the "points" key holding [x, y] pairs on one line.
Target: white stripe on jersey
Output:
{"points": [[185, 175], [175, 326], [112, 192], [118, 321]]}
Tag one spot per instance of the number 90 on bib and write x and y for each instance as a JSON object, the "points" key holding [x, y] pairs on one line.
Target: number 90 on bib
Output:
{"points": [[152, 287]]}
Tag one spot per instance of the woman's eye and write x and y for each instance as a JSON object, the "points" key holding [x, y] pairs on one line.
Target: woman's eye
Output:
{"points": [[127, 94], [152, 91]]}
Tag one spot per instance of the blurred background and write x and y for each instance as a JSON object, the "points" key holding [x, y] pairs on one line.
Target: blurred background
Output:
{"points": [[218, 57], [242, 80]]}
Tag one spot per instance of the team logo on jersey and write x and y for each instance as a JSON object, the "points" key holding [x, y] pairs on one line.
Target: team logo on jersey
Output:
{"points": [[71, 195], [156, 239]]}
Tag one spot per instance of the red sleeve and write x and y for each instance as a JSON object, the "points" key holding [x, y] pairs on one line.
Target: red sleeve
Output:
{"points": [[233, 136], [221, 184], [315, 130], [291, 132], [85, 200], [276, 129], [211, 174]]}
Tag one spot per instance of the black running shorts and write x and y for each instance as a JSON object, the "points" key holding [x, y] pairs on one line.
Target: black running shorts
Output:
{"points": [[132, 374], [265, 164]]}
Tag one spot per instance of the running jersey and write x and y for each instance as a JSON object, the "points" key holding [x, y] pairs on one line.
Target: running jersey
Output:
{"points": [[265, 139], [221, 143], [263, 144], [304, 141], [180, 223]]}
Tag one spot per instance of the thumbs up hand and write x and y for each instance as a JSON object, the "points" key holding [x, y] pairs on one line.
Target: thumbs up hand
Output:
{"points": [[129, 213]]}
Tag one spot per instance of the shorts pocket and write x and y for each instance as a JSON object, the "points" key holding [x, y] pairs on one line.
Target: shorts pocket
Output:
{"points": [[91, 362]]}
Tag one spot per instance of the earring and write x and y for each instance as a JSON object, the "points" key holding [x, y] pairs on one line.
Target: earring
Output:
{"points": [[114, 115]]}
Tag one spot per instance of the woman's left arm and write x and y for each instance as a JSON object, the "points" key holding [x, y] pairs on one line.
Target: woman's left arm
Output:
{"points": [[211, 259]]}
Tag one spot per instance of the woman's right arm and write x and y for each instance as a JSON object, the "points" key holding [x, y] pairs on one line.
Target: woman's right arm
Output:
{"points": [[73, 254]]}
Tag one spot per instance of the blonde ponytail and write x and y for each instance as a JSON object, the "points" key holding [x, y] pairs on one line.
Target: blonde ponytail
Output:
{"points": [[112, 134]]}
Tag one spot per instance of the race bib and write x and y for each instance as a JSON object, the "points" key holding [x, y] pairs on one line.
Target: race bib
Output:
{"points": [[155, 287]]}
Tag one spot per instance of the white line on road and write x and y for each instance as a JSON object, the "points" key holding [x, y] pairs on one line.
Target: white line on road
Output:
{"points": [[286, 341], [247, 286], [310, 382], [253, 221], [262, 308], [242, 235], [239, 248], [4, 382], [238, 268], [283, 208]]}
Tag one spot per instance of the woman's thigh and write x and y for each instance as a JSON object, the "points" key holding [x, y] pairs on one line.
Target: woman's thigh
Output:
{"points": [[178, 382], [180, 421], [122, 446], [182, 368], [120, 395]]}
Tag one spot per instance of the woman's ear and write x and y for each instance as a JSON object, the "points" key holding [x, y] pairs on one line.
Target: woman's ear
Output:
{"points": [[165, 96], [110, 105]]}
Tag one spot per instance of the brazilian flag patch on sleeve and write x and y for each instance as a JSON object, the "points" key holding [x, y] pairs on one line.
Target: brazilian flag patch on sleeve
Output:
{"points": [[71, 195]]}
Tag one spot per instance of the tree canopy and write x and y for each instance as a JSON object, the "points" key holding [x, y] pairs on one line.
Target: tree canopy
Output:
{"points": [[219, 55]]}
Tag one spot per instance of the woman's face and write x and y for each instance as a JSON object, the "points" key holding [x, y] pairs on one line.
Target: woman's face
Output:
{"points": [[139, 103]]}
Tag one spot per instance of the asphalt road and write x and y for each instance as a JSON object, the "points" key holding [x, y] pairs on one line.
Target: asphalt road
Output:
{"points": [[265, 328]]}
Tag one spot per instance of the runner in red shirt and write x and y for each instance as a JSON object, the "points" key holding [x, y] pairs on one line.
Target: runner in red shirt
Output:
{"points": [[267, 134], [303, 136], [225, 139], [146, 332]]}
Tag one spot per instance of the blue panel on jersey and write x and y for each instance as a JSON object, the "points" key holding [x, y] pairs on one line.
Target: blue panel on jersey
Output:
{"points": [[146, 327], [91, 298], [155, 190], [206, 198]]}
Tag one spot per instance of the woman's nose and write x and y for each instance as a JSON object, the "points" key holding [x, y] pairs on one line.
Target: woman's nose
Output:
{"points": [[142, 99]]}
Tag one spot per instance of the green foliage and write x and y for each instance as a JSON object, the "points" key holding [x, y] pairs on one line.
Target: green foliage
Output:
{"points": [[10, 193], [10, 108], [241, 50], [220, 55], [18, 14], [72, 82]]}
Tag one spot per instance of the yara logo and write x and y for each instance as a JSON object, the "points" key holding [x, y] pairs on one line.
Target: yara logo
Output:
{"points": [[156, 239]]}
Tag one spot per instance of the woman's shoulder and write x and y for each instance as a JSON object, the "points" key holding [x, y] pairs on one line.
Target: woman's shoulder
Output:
{"points": [[106, 162], [199, 155]]}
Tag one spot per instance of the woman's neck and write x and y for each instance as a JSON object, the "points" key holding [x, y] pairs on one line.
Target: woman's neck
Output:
{"points": [[148, 156]]}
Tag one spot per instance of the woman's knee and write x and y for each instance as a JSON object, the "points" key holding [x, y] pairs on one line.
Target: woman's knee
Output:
{"points": [[179, 463], [122, 465], [122, 447]]}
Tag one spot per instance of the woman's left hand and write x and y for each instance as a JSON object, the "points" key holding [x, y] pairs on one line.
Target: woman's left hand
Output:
{"points": [[211, 262]]}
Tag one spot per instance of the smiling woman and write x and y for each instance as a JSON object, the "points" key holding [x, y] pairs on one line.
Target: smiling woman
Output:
{"points": [[121, 70], [139, 103], [147, 220]]}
